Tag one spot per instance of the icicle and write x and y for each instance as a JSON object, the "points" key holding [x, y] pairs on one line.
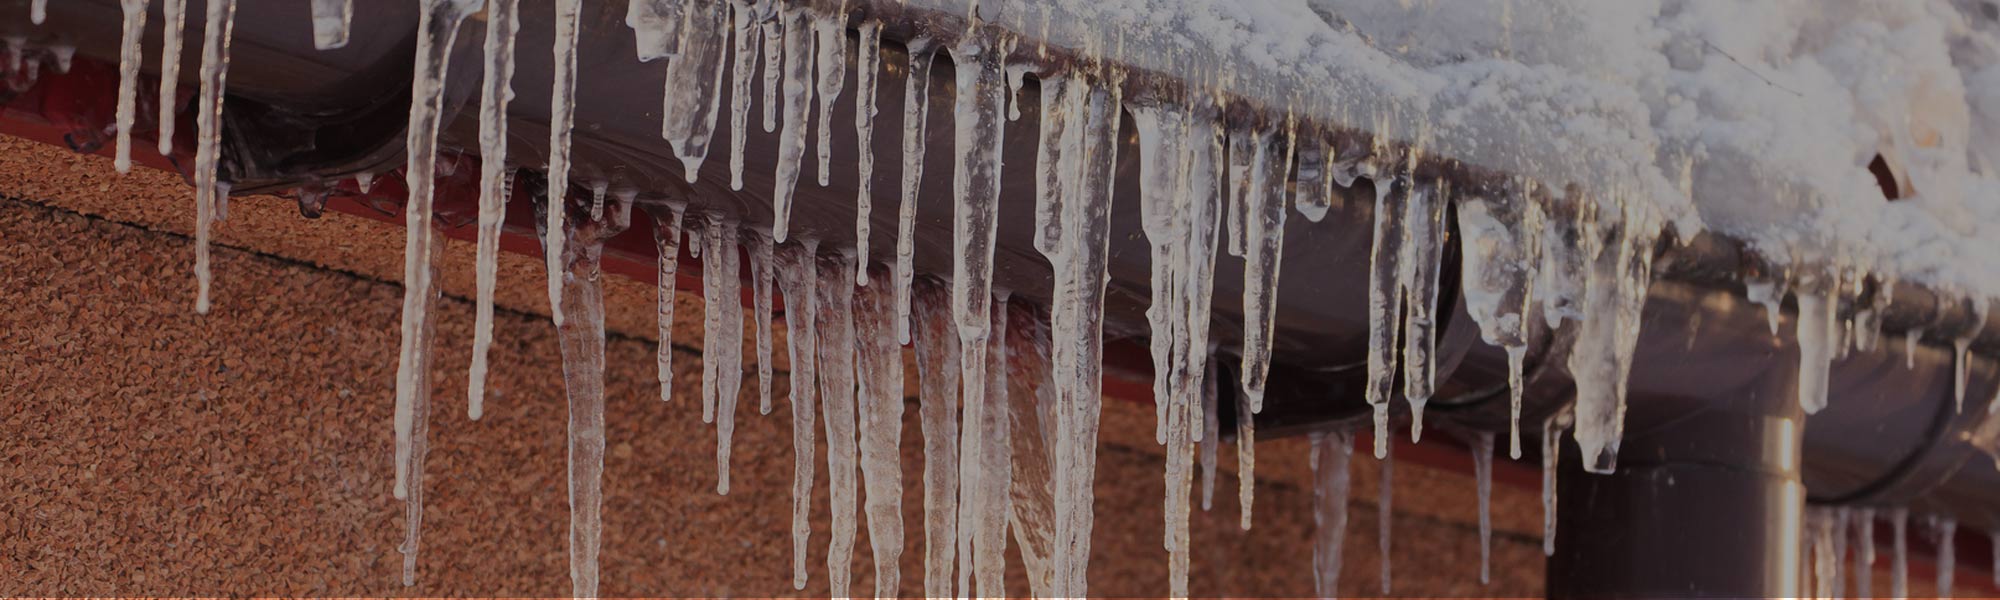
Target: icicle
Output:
{"points": [[798, 91], [1961, 366], [128, 78], [562, 113], [173, 15], [1246, 460], [1053, 166], [1032, 402], [744, 22], [722, 340], [1313, 195], [1482, 468], [1331, 453], [916, 110], [1552, 430], [1864, 553], [938, 371], [437, 27], [1078, 308], [864, 132], [1560, 276], [1498, 263], [656, 26], [667, 240], [1838, 525], [1242, 183], [879, 364], [1385, 513], [597, 190], [1899, 574], [208, 148], [1770, 294], [582, 338], [975, 187], [1264, 236], [1162, 156], [38, 11], [1423, 255], [797, 274], [1816, 336], [1620, 256], [773, 28], [1211, 438], [1184, 426], [989, 505], [495, 182], [835, 295], [762, 250], [1017, 75], [330, 20], [1385, 301], [694, 84], [830, 73], [1947, 552]]}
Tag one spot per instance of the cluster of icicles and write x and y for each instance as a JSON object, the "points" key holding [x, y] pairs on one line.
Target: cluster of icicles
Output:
{"points": [[1837, 549], [1009, 418]]}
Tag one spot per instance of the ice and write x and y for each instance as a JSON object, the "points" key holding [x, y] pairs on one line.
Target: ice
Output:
{"points": [[438, 27], [128, 77], [1864, 552], [597, 190], [38, 11], [1620, 256], [1031, 400], [762, 249], [773, 32], [830, 73], [1211, 437], [1498, 263], [745, 16], [1899, 568], [1560, 277], [1946, 554], [987, 490], [1264, 236], [1246, 460], [976, 195], [1423, 255], [1819, 526], [1961, 362], [1769, 293], [864, 132], [1838, 525], [667, 241], [798, 73], [1910, 339], [208, 199], [656, 26], [1385, 301], [1816, 336], [1184, 418], [694, 84], [1162, 158], [938, 371], [1385, 512], [916, 110], [330, 22], [582, 339], [173, 16], [1313, 196], [879, 366], [722, 339], [1482, 469], [1017, 75], [1052, 167], [1242, 183], [496, 182], [562, 113], [1079, 257], [797, 271], [1552, 430], [835, 310], [1331, 453]]}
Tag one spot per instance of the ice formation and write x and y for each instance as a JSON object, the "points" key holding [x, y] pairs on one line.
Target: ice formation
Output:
{"points": [[796, 26], [582, 339], [762, 251], [746, 19], [916, 111], [694, 84], [656, 26], [128, 78], [1331, 453], [1211, 436], [1263, 229], [1864, 552], [879, 370], [209, 194], [437, 27], [495, 182], [722, 336], [173, 17], [1946, 529], [830, 77], [1899, 569], [797, 276], [937, 371], [562, 118], [864, 133], [1497, 240], [667, 241], [1551, 458], [1031, 400], [836, 368], [983, 489], [330, 20], [38, 11], [1618, 256]]}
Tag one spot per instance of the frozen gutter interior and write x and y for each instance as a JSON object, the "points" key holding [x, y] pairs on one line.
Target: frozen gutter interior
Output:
{"points": [[1742, 131]]}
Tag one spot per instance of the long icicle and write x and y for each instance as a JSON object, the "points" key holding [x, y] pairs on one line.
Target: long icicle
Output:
{"points": [[798, 73], [582, 339], [694, 85], [1551, 458], [667, 242], [173, 14], [1331, 455], [830, 77], [744, 23], [797, 274], [991, 497], [836, 389], [1423, 253], [880, 366], [976, 193], [128, 78], [562, 117], [1264, 236], [916, 110], [938, 372], [208, 148], [864, 134], [1162, 156], [762, 251], [1385, 301], [495, 183], [1031, 403], [413, 506]]}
